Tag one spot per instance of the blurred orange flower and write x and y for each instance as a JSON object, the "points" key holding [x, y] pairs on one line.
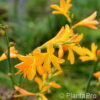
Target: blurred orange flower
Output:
{"points": [[23, 93], [89, 21], [97, 75], [27, 67], [64, 7], [13, 54], [31, 64]]}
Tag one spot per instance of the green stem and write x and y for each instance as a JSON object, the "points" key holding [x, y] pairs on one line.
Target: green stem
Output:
{"points": [[90, 79], [8, 58]]}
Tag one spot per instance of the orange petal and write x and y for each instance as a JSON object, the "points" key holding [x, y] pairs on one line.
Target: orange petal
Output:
{"points": [[60, 52], [23, 92], [71, 57], [62, 3], [97, 74], [55, 85], [44, 97], [55, 7], [3, 57], [89, 21], [50, 49], [94, 48], [39, 82], [44, 76], [40, 69], [31, 72], [47, 65]]}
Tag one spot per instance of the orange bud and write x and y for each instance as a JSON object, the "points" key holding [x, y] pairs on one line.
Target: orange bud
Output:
{"points": [[39, 82], [55, 85], [60, 52]]}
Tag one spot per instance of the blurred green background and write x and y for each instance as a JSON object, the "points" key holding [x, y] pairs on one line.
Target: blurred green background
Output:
{"points": [[32, 24]]}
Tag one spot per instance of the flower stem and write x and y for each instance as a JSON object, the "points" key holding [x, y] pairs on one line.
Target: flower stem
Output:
{"points": [[90, 79], [8, 58]]}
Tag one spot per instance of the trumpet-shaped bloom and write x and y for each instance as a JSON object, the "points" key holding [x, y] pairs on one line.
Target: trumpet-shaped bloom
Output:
{"points": [[13, 54], [89, 21], [64, 7], [38, 62], [52, 59], [72, 47], [62, 36], [89, 55], [23, 92], [31, 64], [28, 66]]}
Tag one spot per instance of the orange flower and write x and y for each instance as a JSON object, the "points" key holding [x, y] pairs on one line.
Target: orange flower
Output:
{"points": [[51, 59], [73, 47], [65, 35], [62, 36], [29, 66], [26, 93], [89, 55], [13, 54], [64, 7], [23, 92], [89, 21]]}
